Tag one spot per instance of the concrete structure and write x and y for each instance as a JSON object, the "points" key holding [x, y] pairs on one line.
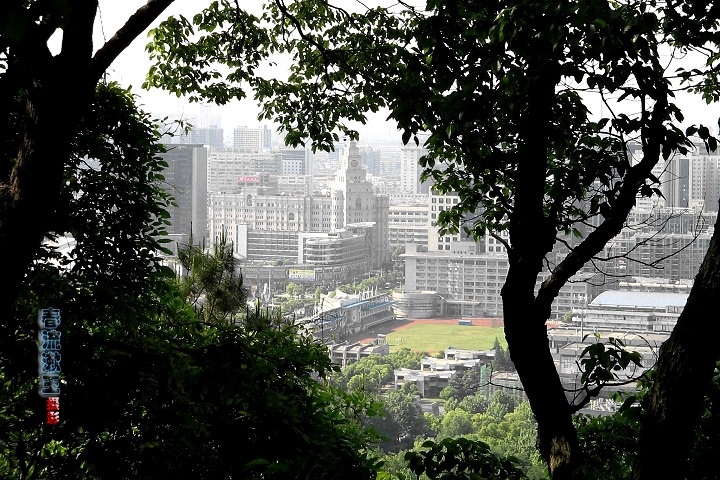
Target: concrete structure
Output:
{"points": [[258, 208], [345, 315], [337, 248], [271, 218], [344, 354], [704, 179], [397, 198], [568, 344], [186, 181], [675, 182], [673, 257], [435, 374], [294, 161], [631, 311], [230, 170], [417, 304], [212, 137], [252, 139], [487, 356], [469, 284], [438, 203], [408, 224], [354, 202], [410, 170], [371, 160], [205, 129]]}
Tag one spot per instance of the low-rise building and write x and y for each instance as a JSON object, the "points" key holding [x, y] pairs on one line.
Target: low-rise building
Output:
{"points": [[344, 354], [343, 315], [631, 311]]}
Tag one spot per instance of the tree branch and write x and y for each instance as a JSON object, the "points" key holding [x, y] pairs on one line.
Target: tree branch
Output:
{"points": [[134, 26]]}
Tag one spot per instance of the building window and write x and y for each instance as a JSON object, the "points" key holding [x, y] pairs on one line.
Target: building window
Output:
{"points": [[567, 363]]}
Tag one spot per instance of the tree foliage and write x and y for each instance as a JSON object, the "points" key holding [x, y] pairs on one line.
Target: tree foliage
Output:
{"points": [[371, 373], [150, 388], [212, 283], [502, 361], [461, 459], [504, 92]]}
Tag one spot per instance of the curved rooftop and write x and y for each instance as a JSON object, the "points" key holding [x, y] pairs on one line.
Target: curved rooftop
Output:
{"points": [[617, 298]]}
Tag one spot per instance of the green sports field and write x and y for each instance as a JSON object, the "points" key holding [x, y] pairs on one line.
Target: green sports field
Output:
{"points": [[433, 338]]}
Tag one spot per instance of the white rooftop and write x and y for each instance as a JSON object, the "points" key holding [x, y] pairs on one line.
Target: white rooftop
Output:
{"points": [[639, 299]]}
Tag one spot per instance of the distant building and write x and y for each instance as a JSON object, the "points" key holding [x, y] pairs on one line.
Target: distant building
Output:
{"points": [[417, 304], [470, 284], [568, 344], [252, 139], [704, 179], [259, 214], [675, 181], [371, 160], [230, 170], [408, 224], [344, 354], [673, 257], [294, 161], [410, 170], [344, 315], [631, 311], [186, 181], [435, 374], [204, 129], [210, 136]]}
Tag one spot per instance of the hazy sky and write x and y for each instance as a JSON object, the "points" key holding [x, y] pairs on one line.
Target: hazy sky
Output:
{"points": [[131, 66]]}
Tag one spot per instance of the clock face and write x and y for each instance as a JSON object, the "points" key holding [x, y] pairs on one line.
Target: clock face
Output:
{"points": [[353, 163]]}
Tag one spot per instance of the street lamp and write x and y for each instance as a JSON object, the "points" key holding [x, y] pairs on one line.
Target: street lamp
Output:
{"points": [[583, 299]]}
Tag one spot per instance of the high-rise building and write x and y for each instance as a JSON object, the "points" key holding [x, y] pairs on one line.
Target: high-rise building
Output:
{"points": [[354, 201], [410, 170], [252, 139], [294, 161], [230, 169], [408, 224], [186, 181], [704, 180], [210, 136], [205, 129], [287, 209], [371, 160], [675, 182]]}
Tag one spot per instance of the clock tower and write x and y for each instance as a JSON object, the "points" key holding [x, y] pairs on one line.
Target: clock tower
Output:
{"points": [[357, 201], [351, 165]]}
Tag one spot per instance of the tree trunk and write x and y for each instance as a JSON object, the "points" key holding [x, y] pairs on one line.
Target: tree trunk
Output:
{"points": [[527, 339], [532, 236], [55, 97], [683, 375], [57, 91]]}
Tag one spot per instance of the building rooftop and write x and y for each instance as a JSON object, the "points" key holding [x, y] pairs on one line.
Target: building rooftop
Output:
{"points": [[639, 299]]}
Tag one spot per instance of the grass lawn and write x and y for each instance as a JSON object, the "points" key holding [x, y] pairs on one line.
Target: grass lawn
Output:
{"points": [[433, 338]]}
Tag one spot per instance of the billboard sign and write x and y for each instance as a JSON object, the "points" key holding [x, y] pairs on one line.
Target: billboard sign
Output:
{"points": [[301, 275]]}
